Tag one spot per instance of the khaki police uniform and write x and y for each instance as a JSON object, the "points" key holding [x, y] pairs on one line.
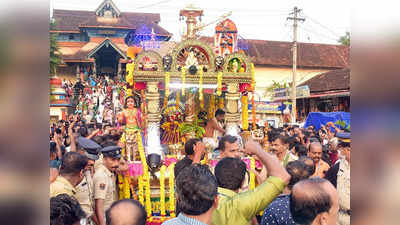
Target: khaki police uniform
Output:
{"points": [[85, 195], [104, 186], [62, 186]]}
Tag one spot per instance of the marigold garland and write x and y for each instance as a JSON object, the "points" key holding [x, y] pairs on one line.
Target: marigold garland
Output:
{"points": [[252, 184], [146, 175], [219, 83], [221, 104], [129, 75], [121, 186], [211, 108], [183, 78], [201, 88], [178, 100], [171, 180], [126, 191], [162, 190], [245, 112], [140, 192], [253, 111]]}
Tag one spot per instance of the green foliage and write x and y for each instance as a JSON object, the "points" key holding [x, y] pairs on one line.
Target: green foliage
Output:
{"points": [[55, 58], [185, 128], [345, 40], [341, 124]]}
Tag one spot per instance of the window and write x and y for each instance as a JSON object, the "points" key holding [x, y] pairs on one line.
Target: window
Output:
{"points": [[71, 37]]}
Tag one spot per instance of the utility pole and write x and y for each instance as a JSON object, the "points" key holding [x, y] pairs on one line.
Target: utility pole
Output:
{"points": [[294, 50]]}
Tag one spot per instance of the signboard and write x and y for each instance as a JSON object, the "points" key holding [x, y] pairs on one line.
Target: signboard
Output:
{"points": [[284, 93], [267, 107]]}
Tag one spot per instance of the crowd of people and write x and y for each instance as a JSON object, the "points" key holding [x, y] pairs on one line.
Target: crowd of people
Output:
{"points": [[303, 177]]}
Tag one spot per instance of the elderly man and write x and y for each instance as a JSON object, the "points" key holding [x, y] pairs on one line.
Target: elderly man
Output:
{"points": [[315, 153], [280, 147], [339, 176], [314, 202]]}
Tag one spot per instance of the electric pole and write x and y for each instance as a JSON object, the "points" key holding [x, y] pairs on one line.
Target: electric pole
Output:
{"points": [[294, 50]]}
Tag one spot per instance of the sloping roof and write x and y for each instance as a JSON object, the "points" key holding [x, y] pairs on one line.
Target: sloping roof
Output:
{"points": [[71, 20], [334, 80], [279, 53], [107, 41]]}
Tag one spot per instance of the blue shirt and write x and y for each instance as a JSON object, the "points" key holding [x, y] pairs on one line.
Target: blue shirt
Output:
{"points": [[278, 212], [183, 220]]}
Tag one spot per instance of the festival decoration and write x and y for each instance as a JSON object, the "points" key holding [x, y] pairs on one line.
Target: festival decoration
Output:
{"points": [[129, 73], [141, 190], [178, 100], [252, 183], [219, 83], [183, 78], [201, 88], [253, 111], [211, 108], [245, 113], [162, 190], [171, 180], [145, 176], [221, 104], [225, 37]]}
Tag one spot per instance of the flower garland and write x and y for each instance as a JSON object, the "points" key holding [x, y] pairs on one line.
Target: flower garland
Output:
{"points": [[162, 191], [178, 100], [221, 104], [245, 112], [253, 111], [145, 176], [253, 105], [167, 78], [126, 191], [171, 180], [211, 108], [219, 83], [140, 192], [129, 75], [121, 186], [183, 78], [252, 184], [201, 98]]}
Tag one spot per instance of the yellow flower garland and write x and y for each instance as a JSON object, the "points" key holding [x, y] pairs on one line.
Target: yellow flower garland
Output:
{"points": [[171, 180], [219, 83], [178, 100], [162, 190], [201, 85], [252, 184], [140, 193], [167, 77], [120, 186], [145, 176], [129, 75], [245, 112], [211, 108], [221, 103], [183, 78], [127, 193]]}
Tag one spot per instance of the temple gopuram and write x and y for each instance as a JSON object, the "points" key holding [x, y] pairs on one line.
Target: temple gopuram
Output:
{"points": [[96, 42]]}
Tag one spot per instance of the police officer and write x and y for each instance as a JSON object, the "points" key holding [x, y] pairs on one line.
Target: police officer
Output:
{"points": [[85, 190], [71, 174], [104, 181]]}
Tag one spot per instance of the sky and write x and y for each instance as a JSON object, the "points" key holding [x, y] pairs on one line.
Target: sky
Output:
{"points": [[325, 21]]}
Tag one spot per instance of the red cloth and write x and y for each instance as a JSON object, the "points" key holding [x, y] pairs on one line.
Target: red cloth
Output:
{"points": [[140, 85], [244, 87]]}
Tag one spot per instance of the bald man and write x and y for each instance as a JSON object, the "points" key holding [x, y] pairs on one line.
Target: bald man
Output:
{"points": [[126, 212], [315, 153], [314, 201]]}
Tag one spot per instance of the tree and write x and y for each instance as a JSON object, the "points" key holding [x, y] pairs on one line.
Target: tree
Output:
{"points": [[55, 58], [345, 40]]}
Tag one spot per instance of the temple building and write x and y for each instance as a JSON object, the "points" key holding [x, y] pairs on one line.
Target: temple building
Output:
{"points": [[96, 42]]}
